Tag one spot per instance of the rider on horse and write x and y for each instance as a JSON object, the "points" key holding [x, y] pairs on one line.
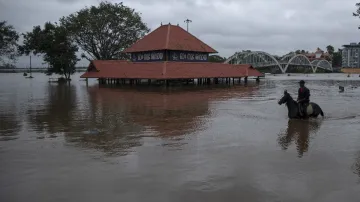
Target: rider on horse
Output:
{"points": [[303, 97]]}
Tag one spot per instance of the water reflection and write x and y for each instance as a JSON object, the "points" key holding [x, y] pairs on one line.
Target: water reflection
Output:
{"points": [[300, 132], [356, 165], [167, 113], [56, 113], [9, 124]]}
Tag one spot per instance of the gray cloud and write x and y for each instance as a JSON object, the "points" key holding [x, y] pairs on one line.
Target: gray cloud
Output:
{"points": [[275, 26]]}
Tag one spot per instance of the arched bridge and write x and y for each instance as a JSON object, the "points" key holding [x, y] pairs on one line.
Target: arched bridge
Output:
{"points": [[259, 59]]}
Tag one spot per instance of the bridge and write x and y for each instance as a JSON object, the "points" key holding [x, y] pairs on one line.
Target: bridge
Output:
{"points": [[260, 59]]}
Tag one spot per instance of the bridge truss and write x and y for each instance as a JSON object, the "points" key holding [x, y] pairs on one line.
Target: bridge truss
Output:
{"points": [[259, 59]]}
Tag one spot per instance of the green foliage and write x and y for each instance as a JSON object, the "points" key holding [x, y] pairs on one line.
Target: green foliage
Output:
{"points": [[216, 58], [336, 56], [337, 59], [330, 49], [357, 12], [103, 32], [54, 43], [8, 44]]}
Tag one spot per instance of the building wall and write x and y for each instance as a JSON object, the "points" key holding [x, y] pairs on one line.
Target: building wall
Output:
{"points": [[351, 56], [170, 55]]}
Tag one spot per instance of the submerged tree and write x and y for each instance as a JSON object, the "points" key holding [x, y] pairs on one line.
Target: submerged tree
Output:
{"points": [[103, 32], [8, 44], [357, 12], [54, 43]]}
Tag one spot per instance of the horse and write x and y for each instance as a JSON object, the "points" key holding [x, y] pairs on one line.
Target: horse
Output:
{"points": [[312, 109]]}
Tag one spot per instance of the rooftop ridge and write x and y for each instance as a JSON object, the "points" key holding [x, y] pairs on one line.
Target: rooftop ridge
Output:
{"points": [[170, 37]]}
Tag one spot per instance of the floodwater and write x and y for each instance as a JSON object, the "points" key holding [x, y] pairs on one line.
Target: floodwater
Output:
{"points": [[79, 143]]}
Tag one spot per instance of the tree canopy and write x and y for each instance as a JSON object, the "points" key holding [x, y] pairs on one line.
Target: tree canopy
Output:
{"points": [[54, 43], [104, 31], [330, 49], [216, 58], [8, 44], [357, 12]]}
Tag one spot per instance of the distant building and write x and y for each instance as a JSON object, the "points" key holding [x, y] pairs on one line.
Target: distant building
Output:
{"points": [[350, 56], [318, 55]]}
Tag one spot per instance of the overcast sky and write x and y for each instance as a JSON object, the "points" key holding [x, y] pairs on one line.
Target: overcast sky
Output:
{"points": [[274, 26]]}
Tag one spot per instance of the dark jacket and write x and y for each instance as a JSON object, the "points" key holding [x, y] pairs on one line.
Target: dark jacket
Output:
{"points": [[304, 93]]}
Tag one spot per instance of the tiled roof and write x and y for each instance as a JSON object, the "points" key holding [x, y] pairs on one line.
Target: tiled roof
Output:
{"points": [[170, 37], [167, 70]]}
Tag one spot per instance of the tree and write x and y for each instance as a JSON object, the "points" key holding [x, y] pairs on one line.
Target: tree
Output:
{"points": [[216, 58], [330, 49], [103, 32], [8, 43], [357, 12], [54, 43], [337, 58], [297, 51]]}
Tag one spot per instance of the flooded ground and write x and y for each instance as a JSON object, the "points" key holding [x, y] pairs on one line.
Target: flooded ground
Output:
{"points": [[78, 143]]}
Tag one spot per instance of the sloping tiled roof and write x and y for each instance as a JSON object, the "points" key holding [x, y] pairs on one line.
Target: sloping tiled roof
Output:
{"points": [[166, 70], [170, 37]]}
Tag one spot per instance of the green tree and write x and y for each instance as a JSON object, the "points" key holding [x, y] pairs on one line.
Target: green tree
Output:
{"points": [[357, 12], [8, 44], [54, 43], [330, 49], [216, 58], [103, 32], [297, 51], [337, 58]]}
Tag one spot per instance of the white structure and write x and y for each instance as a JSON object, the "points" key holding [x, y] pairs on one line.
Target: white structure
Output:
{"points": [[262, 59], [350, 56]]}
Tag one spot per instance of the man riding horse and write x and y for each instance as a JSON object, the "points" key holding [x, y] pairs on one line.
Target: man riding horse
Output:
{"points": [[303, 97]]}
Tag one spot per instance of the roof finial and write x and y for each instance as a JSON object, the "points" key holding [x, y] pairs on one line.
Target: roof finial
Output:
{"points": [[177, 24], [161, 23], [169, 23]]}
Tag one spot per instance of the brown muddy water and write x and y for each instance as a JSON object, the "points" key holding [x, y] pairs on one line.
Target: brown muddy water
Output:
{"points": [[78, 143]]}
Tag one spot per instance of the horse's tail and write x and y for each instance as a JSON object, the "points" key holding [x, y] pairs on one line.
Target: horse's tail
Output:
{"points": [[321, 112]]}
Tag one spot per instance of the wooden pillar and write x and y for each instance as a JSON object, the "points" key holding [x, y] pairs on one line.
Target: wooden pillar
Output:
{"points": [[149, 81], [246, 79], [239, 80], [233, 81], [258, 79]]}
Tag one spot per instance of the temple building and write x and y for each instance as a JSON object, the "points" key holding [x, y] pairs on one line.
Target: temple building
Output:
{"points": [[168, 53], [319, 55]]}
